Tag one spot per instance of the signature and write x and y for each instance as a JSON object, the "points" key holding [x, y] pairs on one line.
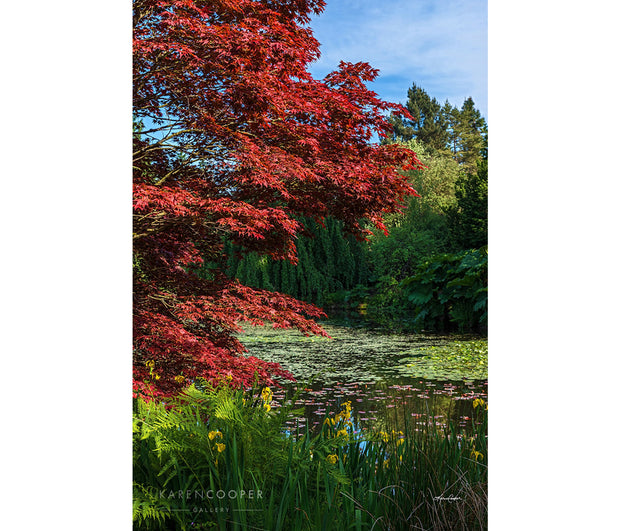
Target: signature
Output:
{"points": [[449, 498]]}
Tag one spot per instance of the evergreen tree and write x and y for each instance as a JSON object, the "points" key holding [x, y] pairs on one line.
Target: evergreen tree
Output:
{"points": [[428, 125], [451, 119], [469, 135], [468, 220], [462, 132], [329, 260]]}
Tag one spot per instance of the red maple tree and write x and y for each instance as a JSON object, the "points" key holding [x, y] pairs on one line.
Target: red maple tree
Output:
{"points": [[234, 139]]}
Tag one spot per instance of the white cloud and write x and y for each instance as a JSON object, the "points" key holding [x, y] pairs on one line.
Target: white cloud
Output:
{"points": [[440, 45]]}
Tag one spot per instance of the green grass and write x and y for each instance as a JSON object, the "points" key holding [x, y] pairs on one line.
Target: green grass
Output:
{"points": [[407, 477]]}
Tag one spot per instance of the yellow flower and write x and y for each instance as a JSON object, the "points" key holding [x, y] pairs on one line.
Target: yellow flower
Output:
{"points": [[384, 436], [150, 364], [341, 433], [480, 402], [267, 394], [229, 378], [399, 442], [157, 376], [346, 412], [214, 434], [179, 379], [267, 407], [332, 458], [476, 454], [220, 447]]}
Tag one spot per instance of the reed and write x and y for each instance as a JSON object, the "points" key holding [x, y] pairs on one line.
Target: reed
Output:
{"points": [[219, 458]]}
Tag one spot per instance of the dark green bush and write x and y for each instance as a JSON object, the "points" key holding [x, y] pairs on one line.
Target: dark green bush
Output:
{"points": [[445, 292]]}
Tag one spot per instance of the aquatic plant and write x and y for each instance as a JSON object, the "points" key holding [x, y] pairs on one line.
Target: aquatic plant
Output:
{"points": [[457, 360], [198, 457]]}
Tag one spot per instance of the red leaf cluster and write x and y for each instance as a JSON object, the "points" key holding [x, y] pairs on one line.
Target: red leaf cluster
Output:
{"points": [[234, 139]]}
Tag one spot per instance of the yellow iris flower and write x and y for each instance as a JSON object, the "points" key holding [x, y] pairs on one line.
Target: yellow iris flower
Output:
{"points": [[266, 394], [476, 454], [214, 434]]}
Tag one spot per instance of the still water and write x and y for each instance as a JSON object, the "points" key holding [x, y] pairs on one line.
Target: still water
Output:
{"points": [[369, 367]]}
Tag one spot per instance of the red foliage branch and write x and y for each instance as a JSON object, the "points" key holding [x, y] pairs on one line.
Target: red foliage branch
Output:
{"points": [[234, 139]]}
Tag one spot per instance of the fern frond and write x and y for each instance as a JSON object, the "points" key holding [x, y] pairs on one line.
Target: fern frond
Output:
{"points": [[148, 509], [228, 409]]}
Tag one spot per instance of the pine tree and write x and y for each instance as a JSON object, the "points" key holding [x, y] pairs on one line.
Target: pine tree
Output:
{"points": [[427, 124], [470, 130]]}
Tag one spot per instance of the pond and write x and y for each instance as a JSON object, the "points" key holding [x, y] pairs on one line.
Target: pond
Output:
{"points": [[391, 379]]}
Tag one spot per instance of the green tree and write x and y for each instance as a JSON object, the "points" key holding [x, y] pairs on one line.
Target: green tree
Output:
{"points": [[468, 219], [462, 132], [428, 124], [468, 135], [421, 229], [329, 260]]}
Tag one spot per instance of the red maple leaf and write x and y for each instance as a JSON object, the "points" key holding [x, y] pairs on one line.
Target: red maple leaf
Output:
{"points": [[234, 140]]}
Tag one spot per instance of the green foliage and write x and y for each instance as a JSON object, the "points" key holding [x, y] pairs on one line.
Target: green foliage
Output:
{"points": [[428, 125], [469, 135], [444, 291], [421, 230], [208, 439], [423, 270], [468, 219], [329, 260], [462, 133], [428, 270], [220, 441]]}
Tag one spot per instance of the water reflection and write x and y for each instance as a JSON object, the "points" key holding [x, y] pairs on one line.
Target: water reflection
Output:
{"points": [[365, 367]]}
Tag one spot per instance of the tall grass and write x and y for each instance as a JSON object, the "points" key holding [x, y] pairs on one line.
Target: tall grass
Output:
{"points": [[220, 459]]}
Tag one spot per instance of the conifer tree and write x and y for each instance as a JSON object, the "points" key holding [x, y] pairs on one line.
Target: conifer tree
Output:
{"points": [[427, 122], [470, 131], [468, 220]]}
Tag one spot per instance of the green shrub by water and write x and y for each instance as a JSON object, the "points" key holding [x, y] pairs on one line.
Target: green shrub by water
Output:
{"points": [[220, 459], [445, 292]]}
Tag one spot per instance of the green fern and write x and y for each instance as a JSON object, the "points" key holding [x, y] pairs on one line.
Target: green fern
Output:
{"points": [[149, 511]]}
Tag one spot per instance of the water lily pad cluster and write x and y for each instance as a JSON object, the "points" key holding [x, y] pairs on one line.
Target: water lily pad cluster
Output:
{"points": [[460, 360], [369, 368]]}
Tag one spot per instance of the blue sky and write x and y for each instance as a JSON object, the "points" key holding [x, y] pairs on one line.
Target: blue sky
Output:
{"points": [[441, 45]]}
